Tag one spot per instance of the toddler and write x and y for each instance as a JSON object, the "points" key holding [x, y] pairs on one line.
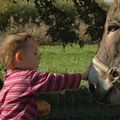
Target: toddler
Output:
{"points": [[22, 82]]}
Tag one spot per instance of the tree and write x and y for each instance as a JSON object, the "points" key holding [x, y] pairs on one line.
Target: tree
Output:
{"points": [[62, 25], [93, 15], [21, 13]]}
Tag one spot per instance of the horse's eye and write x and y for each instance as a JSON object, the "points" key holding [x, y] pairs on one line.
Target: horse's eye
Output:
{"points": [[112, 28]]}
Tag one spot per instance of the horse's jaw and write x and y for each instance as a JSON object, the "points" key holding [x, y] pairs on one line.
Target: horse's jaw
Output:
{"points": [[102, 89]]}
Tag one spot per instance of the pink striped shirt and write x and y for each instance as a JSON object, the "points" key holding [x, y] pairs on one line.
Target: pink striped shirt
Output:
{"points": [[18, 95]]}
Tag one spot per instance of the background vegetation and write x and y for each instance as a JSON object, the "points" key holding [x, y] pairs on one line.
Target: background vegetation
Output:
{"points": [[61, 21]]}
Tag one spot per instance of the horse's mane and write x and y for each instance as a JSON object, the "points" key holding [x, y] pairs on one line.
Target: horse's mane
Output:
{"points": [[109, 49]]}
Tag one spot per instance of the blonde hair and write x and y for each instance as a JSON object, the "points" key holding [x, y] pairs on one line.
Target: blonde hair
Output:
{"points": [[11, 44]]}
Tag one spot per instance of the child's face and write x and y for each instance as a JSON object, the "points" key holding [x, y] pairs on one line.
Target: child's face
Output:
{"points": [[31, 55]]}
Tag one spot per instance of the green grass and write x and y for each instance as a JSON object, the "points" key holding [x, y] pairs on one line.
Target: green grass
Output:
{"points": [[73, 60], [76, 104]]}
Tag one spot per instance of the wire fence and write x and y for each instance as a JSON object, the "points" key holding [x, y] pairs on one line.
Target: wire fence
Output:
{"points": [[79, 105]]}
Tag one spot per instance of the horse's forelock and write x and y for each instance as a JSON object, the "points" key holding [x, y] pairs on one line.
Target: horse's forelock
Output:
{"points": [[117, 3], [113, 16], [109, 50]]}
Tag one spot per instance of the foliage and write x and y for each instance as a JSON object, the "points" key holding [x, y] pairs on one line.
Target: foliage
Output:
{"points": [[104, 4], [21, 13], [92, 15], [60, 22], [62, 25], [60, 19], [2, 70]]}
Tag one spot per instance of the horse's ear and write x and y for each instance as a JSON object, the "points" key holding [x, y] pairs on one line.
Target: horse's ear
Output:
{"points": [[117, 2]]}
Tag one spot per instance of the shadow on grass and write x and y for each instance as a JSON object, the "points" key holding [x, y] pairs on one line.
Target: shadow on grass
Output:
{"points": [[79, 105]]}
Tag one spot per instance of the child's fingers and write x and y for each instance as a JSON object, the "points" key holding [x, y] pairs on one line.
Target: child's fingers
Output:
{"points": [[48, 109], [44, 108], [45, 112]]}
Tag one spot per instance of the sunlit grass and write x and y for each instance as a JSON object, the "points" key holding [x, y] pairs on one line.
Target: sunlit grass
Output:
{"points": [[73, 60]]}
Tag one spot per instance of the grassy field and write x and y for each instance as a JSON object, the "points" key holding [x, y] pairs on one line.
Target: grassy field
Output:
{"points": [[74, 59], [77, 104]]}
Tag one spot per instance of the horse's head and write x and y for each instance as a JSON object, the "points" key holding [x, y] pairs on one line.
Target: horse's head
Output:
{"points": [[104, 75]]}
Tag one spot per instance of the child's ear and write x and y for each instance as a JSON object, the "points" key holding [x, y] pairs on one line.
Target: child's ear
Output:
{"points": [[18, 56]]}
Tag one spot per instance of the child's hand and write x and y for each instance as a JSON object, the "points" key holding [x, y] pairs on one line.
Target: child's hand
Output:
{"points": [[43, 107]]}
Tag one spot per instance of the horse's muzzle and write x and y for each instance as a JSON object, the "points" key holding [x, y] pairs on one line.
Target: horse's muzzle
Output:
{"points": [[101, 89], [102, 98]]}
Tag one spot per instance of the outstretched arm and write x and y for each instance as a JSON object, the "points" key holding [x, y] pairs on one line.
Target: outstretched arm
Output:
{"points": [[48, 82]]}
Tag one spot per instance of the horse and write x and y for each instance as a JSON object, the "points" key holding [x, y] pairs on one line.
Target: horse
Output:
{"points": [[104, 73]]}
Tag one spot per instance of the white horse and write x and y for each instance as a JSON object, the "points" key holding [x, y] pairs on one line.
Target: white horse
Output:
{"points": [[104, 75]]}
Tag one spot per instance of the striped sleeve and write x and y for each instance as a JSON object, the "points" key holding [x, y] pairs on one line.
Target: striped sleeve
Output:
{"points": [[48, 82]]}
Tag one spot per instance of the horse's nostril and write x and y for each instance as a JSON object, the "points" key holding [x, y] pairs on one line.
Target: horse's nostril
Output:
{"points": [[92, 87]]}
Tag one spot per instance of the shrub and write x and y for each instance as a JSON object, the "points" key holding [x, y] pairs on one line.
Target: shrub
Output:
{"points": [[20, 11], [2, 70]]}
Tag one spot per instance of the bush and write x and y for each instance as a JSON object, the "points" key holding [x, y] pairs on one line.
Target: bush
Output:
{"points": [[2, 70], [20, 11]]}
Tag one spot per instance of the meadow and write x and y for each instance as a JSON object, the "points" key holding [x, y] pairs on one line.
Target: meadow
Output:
{"points": [[75, 104]]}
